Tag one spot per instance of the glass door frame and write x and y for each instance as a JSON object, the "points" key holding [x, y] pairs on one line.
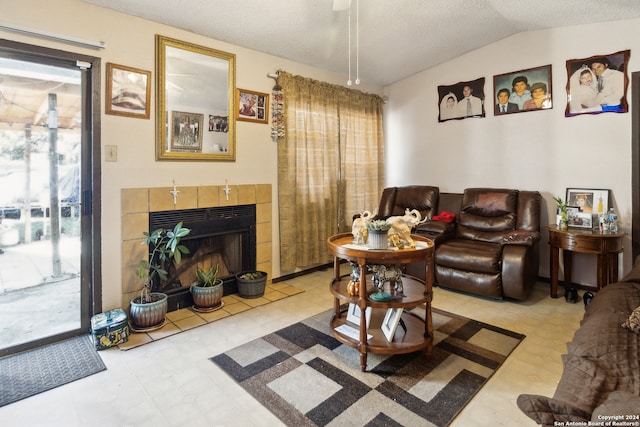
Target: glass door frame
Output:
{"points": [[90, 188]]}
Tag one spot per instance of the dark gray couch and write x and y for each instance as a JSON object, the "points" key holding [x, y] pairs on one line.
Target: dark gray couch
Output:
{"points": [[601, 376]]}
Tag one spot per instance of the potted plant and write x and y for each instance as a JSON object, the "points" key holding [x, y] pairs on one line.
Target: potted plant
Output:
{"points": [[562, 213], [251, 284], [147, 311], [378, 238], [207, 290]]}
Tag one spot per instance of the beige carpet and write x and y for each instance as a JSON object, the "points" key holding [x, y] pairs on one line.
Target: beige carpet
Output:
{"points": [[307, 378]]}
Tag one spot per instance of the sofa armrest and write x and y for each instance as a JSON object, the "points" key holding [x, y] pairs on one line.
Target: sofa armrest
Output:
{"points": [[438, 231], [619, 403], [521, 237], [437, 227], [547, 411]]}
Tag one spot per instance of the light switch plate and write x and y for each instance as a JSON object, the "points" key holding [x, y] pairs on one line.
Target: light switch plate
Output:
{"points": [[110, 153]]}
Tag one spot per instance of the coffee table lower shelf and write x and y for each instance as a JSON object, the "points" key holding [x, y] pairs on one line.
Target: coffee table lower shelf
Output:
{"points": [[413, 339]]}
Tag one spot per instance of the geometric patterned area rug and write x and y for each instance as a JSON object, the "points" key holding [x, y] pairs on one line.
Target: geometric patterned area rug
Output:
{"points": [[31, 372], [306, 377]]}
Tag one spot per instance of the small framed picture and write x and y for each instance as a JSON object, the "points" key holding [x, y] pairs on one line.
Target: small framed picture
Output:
{"points": [[186, 131], [390, 322], [128, 91], [587, 200], [218, 123], [252, 106], [354, 315], [586, 204], [577, 219], [524, 90]]}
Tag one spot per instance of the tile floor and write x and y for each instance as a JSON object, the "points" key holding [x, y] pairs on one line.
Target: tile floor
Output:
{"points": [[171, 382]]}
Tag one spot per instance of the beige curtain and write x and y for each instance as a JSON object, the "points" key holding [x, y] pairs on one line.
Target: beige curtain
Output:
{"points": [[330, 165]]}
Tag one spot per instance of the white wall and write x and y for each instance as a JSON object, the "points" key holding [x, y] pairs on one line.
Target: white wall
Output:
{"points": [[539, 150], [130, 42]]}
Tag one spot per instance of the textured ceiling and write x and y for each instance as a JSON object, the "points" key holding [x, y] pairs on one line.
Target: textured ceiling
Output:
{"points": [[397, 38]]}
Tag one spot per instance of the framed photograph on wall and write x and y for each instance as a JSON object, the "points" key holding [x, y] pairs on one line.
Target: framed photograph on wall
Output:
{"points": [[218, 123], [597, 84], [524, 90], [128, 91], [461, 100], [252, 106], [186, 132]]}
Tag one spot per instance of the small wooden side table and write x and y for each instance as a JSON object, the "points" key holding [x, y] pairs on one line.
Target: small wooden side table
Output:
{"points": [[419, 332], [604, 244]]}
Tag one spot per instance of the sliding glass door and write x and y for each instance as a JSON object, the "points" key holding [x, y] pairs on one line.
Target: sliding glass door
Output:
{"points": [[45, 198]]}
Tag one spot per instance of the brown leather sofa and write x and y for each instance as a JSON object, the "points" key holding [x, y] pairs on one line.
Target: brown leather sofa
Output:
{"points": [[491, 249], [494, 252], [395, 200]]}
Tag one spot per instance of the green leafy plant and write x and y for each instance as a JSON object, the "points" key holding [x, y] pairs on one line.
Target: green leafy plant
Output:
{"points": [[166, 247], [562, 207], [378, 225], [208, 277]]}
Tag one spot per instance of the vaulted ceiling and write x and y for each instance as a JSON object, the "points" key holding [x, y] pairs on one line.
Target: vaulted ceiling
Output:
{"points": [[397, 38]]}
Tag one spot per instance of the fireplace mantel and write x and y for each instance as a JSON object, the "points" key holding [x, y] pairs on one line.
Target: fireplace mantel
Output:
{"points": [[136, 203]]}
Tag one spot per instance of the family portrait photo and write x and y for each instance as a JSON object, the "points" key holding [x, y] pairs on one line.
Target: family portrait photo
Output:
{"points": [[462, 100], [524, 90], [597, 84], [186, 132]]}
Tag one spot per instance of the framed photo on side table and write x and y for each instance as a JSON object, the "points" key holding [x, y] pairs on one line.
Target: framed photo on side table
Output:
{"points": [[390, 322], [354, 315], [587, 203]]}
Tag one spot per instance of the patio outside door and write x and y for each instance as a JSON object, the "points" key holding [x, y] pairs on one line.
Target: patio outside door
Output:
{"points": [[44, 286]]}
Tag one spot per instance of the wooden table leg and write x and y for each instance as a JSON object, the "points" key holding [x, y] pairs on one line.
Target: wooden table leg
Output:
{"points": [[363, 361], [613, 267], [554, 261], [603, 270], [567, 259]]}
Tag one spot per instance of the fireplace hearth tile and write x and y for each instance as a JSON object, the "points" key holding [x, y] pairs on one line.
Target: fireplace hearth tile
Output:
{"points": [[185, 319], [181, 314], [167, 330], [215, 315], [190, 322], [257, 302], [237, 308], [273, 295]]}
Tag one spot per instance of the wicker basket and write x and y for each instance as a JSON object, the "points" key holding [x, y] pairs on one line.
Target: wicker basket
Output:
{"points": [[251, 288]]}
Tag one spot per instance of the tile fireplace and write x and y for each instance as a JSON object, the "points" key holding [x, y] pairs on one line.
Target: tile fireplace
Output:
{"points": [[234, 232]]}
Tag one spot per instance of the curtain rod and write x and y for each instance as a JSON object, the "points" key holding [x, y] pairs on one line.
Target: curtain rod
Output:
{"points": [[51, 36]]}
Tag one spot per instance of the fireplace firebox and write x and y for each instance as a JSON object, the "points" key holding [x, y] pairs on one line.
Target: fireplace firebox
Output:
{"points": [[223, 235]]}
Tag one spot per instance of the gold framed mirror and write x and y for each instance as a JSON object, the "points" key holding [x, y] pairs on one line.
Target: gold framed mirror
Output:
{"points": [[195, 102]]}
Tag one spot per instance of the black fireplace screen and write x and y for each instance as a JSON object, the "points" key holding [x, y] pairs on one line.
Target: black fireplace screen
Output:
{"points": [[223, 235]]}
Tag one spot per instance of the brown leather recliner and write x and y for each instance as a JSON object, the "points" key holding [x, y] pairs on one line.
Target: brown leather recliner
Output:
{"points": [[495, 249], [395, 200]]}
